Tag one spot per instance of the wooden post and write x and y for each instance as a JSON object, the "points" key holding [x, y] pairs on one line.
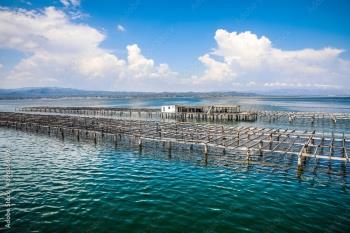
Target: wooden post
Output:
{"points": [[140, 144], [115, 140], [78, 135], [169, 147], [300, 155], [62, 133], [206, 154], [205, 149], [260, 147], [344, 146], [331, 149]]}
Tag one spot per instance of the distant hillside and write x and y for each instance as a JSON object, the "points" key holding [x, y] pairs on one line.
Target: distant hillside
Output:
{"points": [[53, 92], [56, 92]]}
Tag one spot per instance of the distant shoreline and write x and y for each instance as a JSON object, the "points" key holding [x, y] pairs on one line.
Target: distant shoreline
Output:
{"points": [[59, 93]]}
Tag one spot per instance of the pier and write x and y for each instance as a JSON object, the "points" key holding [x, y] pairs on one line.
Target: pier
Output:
{"points": [[155, 113], [146, 113], [208, 112], [207, 138]]}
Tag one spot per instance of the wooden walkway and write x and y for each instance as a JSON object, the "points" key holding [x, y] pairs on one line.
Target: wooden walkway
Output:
{"points": [[251, 141], [145, 113]]}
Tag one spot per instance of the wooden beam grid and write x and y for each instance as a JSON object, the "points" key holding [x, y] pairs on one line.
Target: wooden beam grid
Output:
{"points": [[304, 117], [251, 139]]}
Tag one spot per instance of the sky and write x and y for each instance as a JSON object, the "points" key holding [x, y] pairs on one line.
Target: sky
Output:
{"points": [[194, 45]]}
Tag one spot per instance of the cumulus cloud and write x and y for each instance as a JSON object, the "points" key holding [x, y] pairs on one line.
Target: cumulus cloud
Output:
{"points": [[120, 28], [57, 51], [139, 66], [253, 61], [60, 52]]}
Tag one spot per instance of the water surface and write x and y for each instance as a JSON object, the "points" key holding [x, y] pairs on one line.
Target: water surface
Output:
{"points": [[64, 186]]}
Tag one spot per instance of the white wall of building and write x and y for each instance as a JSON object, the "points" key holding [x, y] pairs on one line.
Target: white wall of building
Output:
{"points": [[169, 108]]}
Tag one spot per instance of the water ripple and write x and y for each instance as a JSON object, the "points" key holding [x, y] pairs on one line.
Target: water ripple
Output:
{"points": [[60, 186]]}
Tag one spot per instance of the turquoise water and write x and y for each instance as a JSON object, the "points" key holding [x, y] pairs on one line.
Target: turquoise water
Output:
{"points": [[62, 186], [65, 186]]}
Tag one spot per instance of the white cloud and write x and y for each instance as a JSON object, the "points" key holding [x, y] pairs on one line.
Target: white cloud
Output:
{"points": [[301, 85], [68, 3], [217, 70], [139, 66], [120, 28], [62, 53], [251, 84], [1, 66], [72, 8], [248, 59]]}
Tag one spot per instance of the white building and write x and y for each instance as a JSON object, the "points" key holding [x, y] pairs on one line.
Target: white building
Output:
{"points": [[208, 109], [169, 108]]}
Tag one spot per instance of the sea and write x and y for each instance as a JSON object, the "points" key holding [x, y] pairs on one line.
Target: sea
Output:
{"points": [[52, 185]]}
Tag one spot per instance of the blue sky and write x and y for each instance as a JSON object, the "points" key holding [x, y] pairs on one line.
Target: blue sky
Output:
{"points": [[184, 36]]}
